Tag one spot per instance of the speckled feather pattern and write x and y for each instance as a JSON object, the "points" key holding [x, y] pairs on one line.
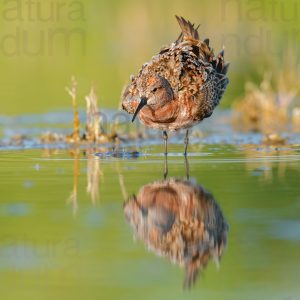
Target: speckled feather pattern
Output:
{"points": [[180, 220], [189, 71]]}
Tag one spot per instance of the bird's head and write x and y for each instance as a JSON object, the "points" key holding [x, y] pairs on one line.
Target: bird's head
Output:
{"points": [[154, 91]]}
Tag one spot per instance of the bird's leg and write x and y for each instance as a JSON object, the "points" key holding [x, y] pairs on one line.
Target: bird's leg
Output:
{"points": [[165, 136], [166, 171], [187, 167], [186, 142]]}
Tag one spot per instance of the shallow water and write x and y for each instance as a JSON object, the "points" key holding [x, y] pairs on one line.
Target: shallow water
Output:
{"points": [[25, 131], [64, 234]]}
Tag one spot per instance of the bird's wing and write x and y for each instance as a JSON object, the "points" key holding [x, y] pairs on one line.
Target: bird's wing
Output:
{"points": [[211, 93]]}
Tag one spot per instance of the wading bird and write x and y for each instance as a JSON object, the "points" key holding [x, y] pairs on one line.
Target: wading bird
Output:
{"points": [[180, 86], [178, 219]]}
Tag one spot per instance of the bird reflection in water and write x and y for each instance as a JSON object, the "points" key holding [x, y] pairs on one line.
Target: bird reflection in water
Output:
{"points": [[178, 219]]}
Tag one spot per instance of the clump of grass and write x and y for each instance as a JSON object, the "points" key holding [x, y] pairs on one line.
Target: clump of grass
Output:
{"points": [[274, 139], [94, 132], [18, 140], [51, 137], [269, 109]]}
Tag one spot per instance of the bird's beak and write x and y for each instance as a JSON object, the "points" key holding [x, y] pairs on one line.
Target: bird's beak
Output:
{"points": [[140, 106]]}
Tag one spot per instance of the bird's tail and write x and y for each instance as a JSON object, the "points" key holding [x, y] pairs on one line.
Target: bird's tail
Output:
{"points": [[190, 33], [188, 30], [201, 48]]}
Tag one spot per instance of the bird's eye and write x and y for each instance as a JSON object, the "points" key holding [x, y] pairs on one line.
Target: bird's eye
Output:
{"points": [[154, 90]]}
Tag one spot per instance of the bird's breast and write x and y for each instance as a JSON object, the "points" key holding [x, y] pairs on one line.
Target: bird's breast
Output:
{"points": [[175, 115]]}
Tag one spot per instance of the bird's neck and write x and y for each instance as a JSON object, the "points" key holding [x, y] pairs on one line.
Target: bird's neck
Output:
{"points": [[164, 114]]}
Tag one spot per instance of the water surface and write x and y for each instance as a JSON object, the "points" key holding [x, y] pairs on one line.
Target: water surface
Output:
{"points": [[64, 233]]}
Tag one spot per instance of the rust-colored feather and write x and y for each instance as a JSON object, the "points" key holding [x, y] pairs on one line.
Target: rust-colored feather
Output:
{"points": [[179, 220], [185, 81]]}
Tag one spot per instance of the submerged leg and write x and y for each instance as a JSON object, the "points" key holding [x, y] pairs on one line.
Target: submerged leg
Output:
{"points": [[165, 136], [186, 142], [187, 167], [166, 171]]}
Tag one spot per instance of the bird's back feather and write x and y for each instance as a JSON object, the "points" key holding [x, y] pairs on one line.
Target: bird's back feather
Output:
{"points": [[196, 75]]}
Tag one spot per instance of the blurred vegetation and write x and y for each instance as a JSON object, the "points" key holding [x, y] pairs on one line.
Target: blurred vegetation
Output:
{"points": [[271, 107], [43, 43]]}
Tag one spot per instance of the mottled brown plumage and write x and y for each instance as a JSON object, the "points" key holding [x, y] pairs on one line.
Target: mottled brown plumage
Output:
{"points": [[180, 86], [178, 219]]}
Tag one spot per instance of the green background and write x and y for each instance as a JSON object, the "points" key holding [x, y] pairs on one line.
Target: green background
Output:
{"points": [[44, 43]]}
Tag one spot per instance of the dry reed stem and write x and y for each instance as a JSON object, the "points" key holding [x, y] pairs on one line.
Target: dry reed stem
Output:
{"points": [[72, 91], [93, 117]]}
